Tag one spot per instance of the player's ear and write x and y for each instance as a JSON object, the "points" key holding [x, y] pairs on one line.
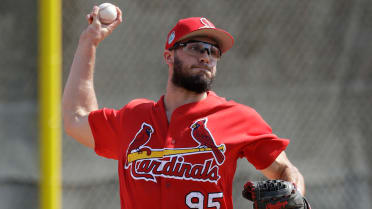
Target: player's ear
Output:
{"points": [[168, 57]]}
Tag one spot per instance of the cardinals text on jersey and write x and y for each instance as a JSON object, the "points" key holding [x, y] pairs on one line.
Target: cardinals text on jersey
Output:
{"points": [[147, 163]]}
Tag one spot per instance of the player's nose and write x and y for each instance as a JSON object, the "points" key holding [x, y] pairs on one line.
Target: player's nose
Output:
{"points": [[205, 57]]}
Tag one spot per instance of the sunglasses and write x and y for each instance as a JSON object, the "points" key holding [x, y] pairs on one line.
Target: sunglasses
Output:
{"points": [[197, 48]]}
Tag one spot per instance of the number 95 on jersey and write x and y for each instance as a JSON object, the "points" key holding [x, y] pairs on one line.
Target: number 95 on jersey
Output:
{"points": [[199, 200]]}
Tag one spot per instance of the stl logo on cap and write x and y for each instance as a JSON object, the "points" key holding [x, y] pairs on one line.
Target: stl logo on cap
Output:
{"points": [[171, 37], [206, 23], [198, 27]]}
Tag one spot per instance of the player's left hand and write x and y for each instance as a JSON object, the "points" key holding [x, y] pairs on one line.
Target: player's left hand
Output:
{"points": [[274, 194]]}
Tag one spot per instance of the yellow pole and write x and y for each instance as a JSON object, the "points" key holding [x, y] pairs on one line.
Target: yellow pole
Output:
{"points": [[49, 22]]}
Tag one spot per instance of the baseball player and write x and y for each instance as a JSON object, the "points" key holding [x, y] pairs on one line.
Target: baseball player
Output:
{"points": [[182, 150]]}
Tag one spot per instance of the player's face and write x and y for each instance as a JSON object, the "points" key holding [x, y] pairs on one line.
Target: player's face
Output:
{"points": [[195, 71]]}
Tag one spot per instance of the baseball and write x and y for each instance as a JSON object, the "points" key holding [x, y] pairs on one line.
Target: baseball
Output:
{"points": [[107, 13]]}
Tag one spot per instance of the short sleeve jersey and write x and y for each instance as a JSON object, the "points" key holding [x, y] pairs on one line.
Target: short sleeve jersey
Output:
{"points": [[188, 162]]}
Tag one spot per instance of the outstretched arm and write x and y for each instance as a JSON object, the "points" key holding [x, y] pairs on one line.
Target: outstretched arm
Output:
{"points": [[283, 169], [79, 97]]}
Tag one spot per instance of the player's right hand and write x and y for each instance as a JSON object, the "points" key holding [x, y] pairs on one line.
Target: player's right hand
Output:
{"points": [[96, 32]]}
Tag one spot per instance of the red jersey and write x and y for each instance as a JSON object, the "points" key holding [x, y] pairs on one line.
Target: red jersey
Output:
{"points": [[188, 162]]}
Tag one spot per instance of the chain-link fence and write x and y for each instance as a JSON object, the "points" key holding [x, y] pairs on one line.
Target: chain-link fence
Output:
{"points": [[18, 106], [303, 65]]}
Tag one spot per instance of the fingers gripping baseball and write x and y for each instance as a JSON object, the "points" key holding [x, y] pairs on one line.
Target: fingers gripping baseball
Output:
{"points": [[96, 31]]}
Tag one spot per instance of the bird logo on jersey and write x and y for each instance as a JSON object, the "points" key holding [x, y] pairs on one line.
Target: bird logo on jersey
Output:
{"points": [[142, 137], [201, 134], [148, 163]]}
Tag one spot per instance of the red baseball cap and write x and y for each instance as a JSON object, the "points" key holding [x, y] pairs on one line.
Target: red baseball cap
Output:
{"points": [[199, 26]]}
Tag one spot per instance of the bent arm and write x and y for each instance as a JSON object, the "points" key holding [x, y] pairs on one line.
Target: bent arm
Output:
{"points": [[283, 169], [79, 98]]}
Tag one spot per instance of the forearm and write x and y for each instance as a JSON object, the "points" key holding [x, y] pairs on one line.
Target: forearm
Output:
{"points": [[79, 97], [292, 174], [283, 169]]}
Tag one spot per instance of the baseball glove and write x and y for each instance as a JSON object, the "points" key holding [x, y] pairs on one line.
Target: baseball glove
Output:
{"points": [[274, 194]]}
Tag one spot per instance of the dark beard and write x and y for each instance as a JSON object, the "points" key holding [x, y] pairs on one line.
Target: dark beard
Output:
{"points": [[197, 83]]}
